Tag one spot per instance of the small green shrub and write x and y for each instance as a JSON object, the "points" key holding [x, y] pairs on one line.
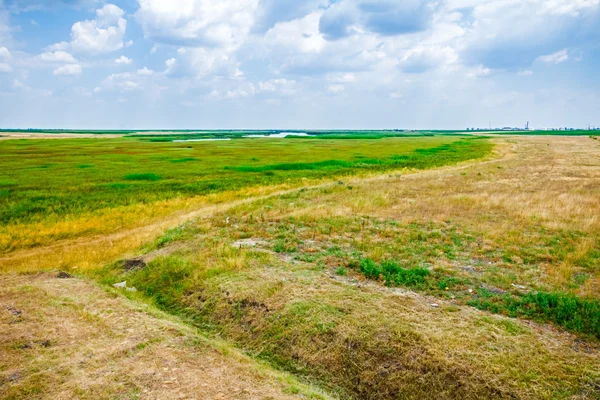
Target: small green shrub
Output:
{"points": [[341, 271], [370, 269], [142, 177]]}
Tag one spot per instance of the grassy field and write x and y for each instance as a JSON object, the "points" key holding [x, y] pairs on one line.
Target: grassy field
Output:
{"points": [[426, 267], [65, 189]]}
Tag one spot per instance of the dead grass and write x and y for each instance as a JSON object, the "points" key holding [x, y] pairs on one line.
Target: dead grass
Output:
{"points": [[526, 218], [67, 338]]}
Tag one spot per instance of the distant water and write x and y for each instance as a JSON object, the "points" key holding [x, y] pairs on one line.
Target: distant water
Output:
{"points": [[279, 135], [199, 140]]}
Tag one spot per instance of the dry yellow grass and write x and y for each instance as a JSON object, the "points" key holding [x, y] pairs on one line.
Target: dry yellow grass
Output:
{"points": [[68, 338], [113, 235]]}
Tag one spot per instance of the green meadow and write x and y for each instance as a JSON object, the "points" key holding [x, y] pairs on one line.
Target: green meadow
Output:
{"points": [[46, 181]]}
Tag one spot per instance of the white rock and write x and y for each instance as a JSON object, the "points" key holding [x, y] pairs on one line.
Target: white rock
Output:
{"points": [[121, 285]]}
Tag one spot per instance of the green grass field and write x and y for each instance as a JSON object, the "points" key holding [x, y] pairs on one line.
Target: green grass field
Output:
{"points": [[52, 181]]}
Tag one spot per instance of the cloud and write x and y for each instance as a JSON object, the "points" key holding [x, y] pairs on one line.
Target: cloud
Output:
{"points": [[382, 17], [272, 12], [68, 70], [170, 64], [342, 78], [57, 56], [510, 34], [124, 82], [262, 89], [123, 60], [4, 53], [555, 58], [101, 35], [145, 71], [282, 87], [336, 89], [337, 22], [300, 35], [208, 23], [104, 34], [5, 68], [421, 58]]}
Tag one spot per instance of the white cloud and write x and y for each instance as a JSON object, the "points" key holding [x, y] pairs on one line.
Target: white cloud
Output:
{"points": [[68, 70], [479, 72], [154, 49], [170, 64], [348, 77], [103, 34], [300, 35], [123, 60], [335, 89], [212, 23], [18, 84], [265, 89], [60, 46], [126, 81], [421, 58], [555, 58], [511, 34], [4, 53], [526, 73], [57, 57], [145, 71], [282, 87]]}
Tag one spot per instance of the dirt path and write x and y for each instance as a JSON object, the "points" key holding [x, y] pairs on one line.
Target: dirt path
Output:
{"points": [[68, 338]]}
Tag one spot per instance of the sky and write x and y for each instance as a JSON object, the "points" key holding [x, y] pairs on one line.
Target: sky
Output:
{"points": [[299, 64]]}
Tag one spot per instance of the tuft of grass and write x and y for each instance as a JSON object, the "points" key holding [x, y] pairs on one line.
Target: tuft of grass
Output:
{"points": [[183, 160], [142, 177], [393, 274]]}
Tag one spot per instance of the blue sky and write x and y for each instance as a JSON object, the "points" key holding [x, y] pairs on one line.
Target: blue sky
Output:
{"points": [[348, 64]]}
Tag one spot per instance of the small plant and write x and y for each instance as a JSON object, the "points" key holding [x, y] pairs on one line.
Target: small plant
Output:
{"points": [[282, 247], [341, 271], [370, 269], [142, 177]]}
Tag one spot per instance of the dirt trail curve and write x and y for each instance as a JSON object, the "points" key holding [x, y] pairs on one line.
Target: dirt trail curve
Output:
{"points": [[68, 338], [70, 253]]}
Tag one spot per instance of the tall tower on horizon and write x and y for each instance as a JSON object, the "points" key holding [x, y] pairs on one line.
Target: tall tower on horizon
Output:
{"points": [[527, 126]]}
